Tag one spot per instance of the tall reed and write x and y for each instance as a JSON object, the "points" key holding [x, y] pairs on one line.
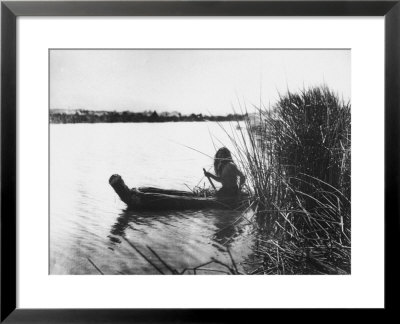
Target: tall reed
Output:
{"points": [[297, 159]]}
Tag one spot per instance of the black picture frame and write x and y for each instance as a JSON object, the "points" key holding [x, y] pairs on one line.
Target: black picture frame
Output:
{"points": [[10, 10]]}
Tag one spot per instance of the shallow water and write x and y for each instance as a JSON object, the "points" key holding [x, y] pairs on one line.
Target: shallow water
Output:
{"points": [[90, 229]]}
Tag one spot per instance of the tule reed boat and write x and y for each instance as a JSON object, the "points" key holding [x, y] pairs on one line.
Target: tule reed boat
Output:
{"points": [[151, 198]]}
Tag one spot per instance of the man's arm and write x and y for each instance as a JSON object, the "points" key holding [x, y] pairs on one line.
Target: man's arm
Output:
{"points": [[216, 178], [241, 176], [242, 179]]}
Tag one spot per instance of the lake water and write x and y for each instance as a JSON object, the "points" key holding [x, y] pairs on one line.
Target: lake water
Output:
{"points": [[89, 225]]}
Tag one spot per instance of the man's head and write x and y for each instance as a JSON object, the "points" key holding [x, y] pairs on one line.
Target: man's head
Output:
{"points": [[222, 157]]}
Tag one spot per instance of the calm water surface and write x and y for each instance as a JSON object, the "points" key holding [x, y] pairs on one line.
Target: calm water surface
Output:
{"points": [[88, 220]]}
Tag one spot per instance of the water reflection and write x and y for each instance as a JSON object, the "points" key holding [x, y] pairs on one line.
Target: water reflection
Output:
{"points": [[222, 226]]}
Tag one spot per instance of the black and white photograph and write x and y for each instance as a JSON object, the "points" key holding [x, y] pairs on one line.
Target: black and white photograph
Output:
{"points": [[199, 161]]}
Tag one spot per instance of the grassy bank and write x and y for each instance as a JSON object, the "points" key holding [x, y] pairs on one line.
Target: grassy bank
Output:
{"points": [[296, 155]]}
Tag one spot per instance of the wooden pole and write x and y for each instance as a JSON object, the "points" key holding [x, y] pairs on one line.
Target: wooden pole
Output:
{"points": [[209, 179]]}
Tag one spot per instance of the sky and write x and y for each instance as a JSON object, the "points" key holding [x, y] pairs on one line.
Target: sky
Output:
{"points": [[213, 82]]}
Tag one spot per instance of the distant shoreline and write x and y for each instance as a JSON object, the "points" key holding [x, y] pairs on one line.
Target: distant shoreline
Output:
{"points": [[58, 116]]}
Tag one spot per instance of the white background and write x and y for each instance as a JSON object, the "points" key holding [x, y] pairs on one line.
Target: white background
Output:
{"points": [[363, 288]]}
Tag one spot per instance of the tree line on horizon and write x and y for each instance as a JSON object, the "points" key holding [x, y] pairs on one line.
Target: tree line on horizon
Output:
{"points": [[58, 116]]}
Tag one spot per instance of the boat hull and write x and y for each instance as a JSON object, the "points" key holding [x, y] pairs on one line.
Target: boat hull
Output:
{"points": [[150, 198]]}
